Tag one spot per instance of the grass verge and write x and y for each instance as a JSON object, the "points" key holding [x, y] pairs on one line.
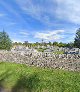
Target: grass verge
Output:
{"points": [[22, 78]]}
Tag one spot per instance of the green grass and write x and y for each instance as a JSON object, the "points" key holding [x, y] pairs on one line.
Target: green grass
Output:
{"points": [[22, 78], [41, 49], [59, 52]]}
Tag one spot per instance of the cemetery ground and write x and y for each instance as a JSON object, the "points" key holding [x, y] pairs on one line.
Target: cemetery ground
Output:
{"points": [[21, 78]]}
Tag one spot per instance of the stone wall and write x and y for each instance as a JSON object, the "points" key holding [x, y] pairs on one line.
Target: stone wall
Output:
{"points": [[64, 61]]}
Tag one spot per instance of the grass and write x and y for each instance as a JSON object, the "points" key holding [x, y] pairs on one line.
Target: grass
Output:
{"points": [[22, 78], [59, 52], [41, 49]]}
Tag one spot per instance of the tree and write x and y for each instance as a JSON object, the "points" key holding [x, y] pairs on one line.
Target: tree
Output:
{"points": [[5, 42], [15, 43], [70, 45], [61, 44], [77, 39], [50, 43], [26, 43], [55, 43]]}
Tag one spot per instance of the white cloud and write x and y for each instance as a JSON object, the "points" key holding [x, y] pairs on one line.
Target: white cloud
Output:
{"points": [[9, 24], [12, 23], [50, 35], [45, 10], [69, 10], [2, 15], [17, 40], [38, 10], [13, 11], [23, 33]]}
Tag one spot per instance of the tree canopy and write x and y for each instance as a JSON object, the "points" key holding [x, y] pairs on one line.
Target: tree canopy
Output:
{"points": [[5, 41], [77, 39]]}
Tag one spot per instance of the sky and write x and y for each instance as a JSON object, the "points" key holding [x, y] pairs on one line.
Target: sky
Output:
{"points": [[34, 20]]}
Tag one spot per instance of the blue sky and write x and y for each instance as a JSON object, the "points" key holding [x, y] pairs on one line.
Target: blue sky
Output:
{"points": [[34, 20]]}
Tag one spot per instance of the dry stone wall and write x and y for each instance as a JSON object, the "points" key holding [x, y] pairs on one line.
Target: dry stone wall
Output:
{"points": [[65, 61]]}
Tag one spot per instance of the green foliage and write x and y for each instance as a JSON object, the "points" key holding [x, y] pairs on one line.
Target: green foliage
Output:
{"points": [[22, 78], [41, 49], [55, 43], [59, 44], [35, 45], [5, 42], [70, 45], [77, 39]]}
